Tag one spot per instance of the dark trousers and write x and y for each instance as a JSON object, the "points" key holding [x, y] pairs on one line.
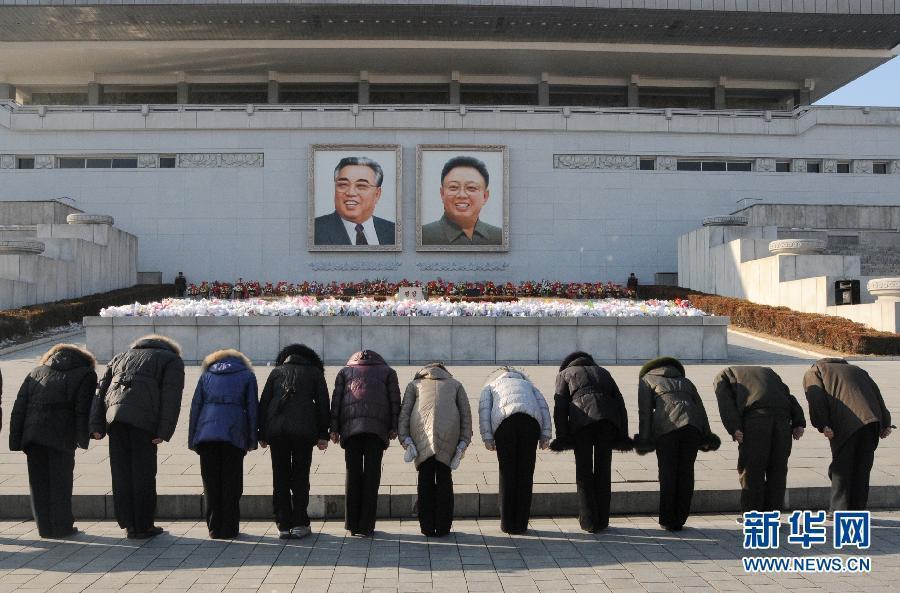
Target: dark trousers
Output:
{"points": [[362, 454], [132, 460], [676, 453], [50, 478], [850, 467], [763, 461], [593, 473], [516, 439], [435, 497], [222, 470], [290, 483]]}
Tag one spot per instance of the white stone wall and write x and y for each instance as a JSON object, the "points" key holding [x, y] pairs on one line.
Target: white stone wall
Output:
{"points": [[566, 224]]}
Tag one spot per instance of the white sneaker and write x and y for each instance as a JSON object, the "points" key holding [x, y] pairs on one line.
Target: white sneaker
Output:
{"points": [[301, 531]]}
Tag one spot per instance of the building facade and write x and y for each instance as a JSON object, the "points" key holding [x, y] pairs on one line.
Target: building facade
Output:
{"points": [[623, 123]]}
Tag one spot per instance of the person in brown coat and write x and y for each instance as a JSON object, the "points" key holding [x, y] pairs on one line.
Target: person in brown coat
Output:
{"points": [[436, 421], [759, 412], [846, 406]]}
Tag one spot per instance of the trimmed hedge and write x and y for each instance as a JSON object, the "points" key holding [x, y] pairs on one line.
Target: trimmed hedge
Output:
{"points": [[15, 323], [835, 333]]}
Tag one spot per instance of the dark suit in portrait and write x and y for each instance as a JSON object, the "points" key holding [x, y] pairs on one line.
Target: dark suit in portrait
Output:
{"points": [[330, 230]]}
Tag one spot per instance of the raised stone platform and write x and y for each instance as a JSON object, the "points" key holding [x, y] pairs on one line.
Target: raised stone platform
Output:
{"points": [[413, 340], [635, 488]]}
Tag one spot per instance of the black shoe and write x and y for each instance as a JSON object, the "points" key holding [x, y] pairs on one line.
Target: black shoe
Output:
{"points": [[150, 532], [673, 527]]}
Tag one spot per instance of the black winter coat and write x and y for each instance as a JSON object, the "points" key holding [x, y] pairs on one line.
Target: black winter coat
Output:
{"points": [[142, 387], [586, 393], [54, 402], [366, 398], [294, 403], [743, 388]]}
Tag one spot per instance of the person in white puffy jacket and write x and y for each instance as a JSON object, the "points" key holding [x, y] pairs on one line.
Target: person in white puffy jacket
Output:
{"points": [[514, 419]]}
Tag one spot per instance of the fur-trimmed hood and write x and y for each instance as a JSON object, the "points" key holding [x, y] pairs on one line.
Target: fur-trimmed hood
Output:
{"points": [[662, 361], [66, 355], [220, 355], [577, 358], [298, 354], [157, 341]]}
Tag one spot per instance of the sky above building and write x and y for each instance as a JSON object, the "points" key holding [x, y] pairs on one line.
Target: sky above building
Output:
{"points": [[878, 88]]}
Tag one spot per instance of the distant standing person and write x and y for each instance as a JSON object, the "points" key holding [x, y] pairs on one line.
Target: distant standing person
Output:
{"points": [[293, 418], [49, 420], [846, 406], [632, 283], [590, 416], [180, 285], [222, 429], [759, 412], [137, 403], [365, 410], [515, 420], [436, 420]]}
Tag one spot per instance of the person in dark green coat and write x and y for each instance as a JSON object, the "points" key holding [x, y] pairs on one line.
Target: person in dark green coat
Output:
{"points": [[673, 421]]}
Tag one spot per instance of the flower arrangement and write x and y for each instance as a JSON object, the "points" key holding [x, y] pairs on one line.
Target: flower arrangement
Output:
{"points": [[434, 288], [310, 306]]}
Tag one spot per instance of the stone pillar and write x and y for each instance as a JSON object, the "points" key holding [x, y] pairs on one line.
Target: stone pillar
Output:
{"points": [[719, 97], [454, 88], [363, 94], [273, 93], [182, 93], [7, 92], [95, 93], [633, 98], [544, 90]]}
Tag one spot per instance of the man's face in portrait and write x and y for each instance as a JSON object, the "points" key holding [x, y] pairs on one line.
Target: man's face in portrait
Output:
{"points": [[355, 193], [464, 194]]}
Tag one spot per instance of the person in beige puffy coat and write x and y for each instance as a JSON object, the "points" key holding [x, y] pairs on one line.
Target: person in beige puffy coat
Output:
{"points": [[436, 424]]}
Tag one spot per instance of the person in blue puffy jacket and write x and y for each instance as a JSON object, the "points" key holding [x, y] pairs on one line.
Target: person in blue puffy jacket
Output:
{"points": [[222, 429]]}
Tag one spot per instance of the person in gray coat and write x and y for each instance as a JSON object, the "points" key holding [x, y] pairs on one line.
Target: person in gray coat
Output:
{"points": [[846, 406], [673, 421], [436, 423], [137, 403], [514, 418], [759, 412]]}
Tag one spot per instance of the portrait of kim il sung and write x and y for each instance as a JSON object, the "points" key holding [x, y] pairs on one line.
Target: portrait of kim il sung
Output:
{"points": [[354, 198], [463, 202]]}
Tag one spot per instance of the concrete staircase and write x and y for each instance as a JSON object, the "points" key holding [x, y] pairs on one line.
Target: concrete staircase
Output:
{"points": [[50, 251]]}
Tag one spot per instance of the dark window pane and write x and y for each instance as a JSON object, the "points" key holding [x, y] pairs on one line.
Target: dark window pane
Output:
{"points": [[124, 163], [25, 163], [843, 167], [813, 167], [676, 97], [59, 98], [98, 163], [879, 168], [228, 95], [498, 95], [412, 94], [688, 165], [166, 162], [324, 93], [70, 163], [740, 166], [648, 164], [139, 96], [783, 167], [588, 96], [714, 165]]}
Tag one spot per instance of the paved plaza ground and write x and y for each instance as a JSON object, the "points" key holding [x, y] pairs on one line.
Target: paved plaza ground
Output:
{"points": [[179, 470], [632, 556]]}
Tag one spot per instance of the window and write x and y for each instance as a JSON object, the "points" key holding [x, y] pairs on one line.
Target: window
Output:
{"points": [[813, 166], [843, 167], [223, 94], [782, 166], [688, 165], [879, 168], [166, 162], [588, 96], [686, 98], [70, 163], [714, 166], [345, 93], [25, 163], [648, 164], [124, 163], [385, 94], [740, 166], [98, 163], [476, 94]]}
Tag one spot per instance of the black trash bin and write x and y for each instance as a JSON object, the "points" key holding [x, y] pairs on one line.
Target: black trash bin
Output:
{"points": [[846, 292]]}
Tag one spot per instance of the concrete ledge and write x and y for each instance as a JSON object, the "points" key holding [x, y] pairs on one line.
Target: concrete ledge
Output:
{"points": [[413, 340], [469, 501]]}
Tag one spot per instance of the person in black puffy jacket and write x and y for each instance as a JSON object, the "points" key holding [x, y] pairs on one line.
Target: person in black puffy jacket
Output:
{"points": [[49, 420], [673, 421], [293, 418], [590, 417], [137, 403], [365, 413]]}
